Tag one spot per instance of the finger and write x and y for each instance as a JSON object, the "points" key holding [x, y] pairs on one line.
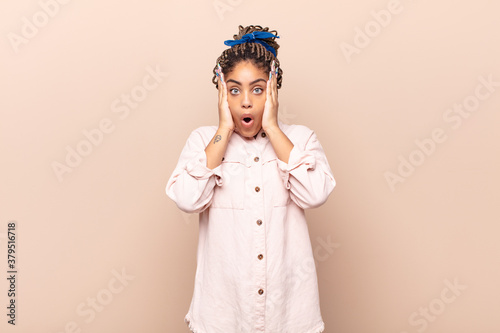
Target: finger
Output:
{"points": [[276, 83], [272, 85], [219, 85], [224, 87], [268, 88]]}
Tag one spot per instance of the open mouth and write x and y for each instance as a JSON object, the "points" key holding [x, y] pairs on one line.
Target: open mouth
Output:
{"points": [[247, 120]]}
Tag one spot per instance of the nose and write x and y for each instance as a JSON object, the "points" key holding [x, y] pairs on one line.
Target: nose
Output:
{"points": [[246, 101]]}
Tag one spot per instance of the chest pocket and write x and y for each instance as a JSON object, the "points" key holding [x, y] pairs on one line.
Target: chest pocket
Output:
{"points": [[231, 195]]}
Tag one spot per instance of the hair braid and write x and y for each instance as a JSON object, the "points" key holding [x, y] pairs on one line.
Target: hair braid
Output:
{"points": [[254, 52]]}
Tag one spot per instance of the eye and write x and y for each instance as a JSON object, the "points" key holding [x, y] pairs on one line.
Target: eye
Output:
{"points": [[258, 90], [232, 89]]}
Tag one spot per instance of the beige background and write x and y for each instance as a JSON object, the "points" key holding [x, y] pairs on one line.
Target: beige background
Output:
{"points": [[383, 252]]}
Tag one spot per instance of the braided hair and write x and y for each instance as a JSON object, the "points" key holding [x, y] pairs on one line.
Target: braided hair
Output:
{"points": [[254, 52]]}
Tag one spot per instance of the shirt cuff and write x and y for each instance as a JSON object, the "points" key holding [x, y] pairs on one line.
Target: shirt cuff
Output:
{"points": [[197, 168], [298, 157]]}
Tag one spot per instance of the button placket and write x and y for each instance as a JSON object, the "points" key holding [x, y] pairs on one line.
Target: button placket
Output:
{"points": [[258, 205]]}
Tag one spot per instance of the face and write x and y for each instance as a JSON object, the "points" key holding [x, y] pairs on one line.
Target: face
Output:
{"points": [[246, 96]]}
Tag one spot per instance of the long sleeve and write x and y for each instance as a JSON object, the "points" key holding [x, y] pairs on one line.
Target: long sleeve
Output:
{"points": [[191, 185], [307, 174]]}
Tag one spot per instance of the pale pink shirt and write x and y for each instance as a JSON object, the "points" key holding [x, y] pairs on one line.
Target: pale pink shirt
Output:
{"points": [[255, 267]]}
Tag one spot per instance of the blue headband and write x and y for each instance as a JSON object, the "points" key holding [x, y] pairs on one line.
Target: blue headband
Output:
{"points": [[254, 37]]}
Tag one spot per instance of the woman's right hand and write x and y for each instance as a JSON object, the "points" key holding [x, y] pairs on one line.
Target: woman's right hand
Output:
{"points": [[225, 117]]}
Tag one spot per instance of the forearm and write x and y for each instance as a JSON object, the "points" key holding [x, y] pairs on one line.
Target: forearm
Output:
{"points": [[216, 148], [281, 144]]}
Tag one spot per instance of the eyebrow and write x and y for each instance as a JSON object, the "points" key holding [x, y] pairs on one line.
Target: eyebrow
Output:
{"points": [[251, 83]]}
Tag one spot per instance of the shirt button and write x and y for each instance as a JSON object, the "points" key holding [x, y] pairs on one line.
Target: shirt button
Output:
{"points": [[260, 256], [259, 222], [263, 134], [256, 159], [261, 291], [257, 189]]}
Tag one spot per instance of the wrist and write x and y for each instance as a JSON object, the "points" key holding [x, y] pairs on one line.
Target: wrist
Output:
{"points": [[271, 128], [225, 129]]}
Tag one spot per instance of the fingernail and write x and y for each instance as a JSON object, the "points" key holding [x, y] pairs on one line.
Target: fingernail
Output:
{"points": [[272, 66], [270, 74]]}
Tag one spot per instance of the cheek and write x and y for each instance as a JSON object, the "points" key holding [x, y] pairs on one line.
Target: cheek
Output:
{"points": [[260, 102], [258, 114], [233, 104]]}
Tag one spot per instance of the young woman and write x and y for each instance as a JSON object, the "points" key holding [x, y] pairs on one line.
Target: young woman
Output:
{"points": [[250, 179]]}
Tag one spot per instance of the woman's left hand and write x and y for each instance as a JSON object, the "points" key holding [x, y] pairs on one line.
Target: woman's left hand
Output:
{"points": [[270, 115]]}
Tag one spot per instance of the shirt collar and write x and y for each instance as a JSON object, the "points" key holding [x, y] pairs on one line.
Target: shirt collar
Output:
{"points": [[262, 136]]}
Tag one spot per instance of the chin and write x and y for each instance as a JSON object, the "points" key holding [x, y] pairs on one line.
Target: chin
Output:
{"points": [[248, 133]]}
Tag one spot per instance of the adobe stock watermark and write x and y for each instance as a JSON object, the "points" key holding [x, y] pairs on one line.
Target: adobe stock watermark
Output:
{"points": [[322, 251], [89, 309], [325, 248], [285, 116], [30, 27], [94, 137], [429, 313], [454, 116], [222, 6], [363, 37]]}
